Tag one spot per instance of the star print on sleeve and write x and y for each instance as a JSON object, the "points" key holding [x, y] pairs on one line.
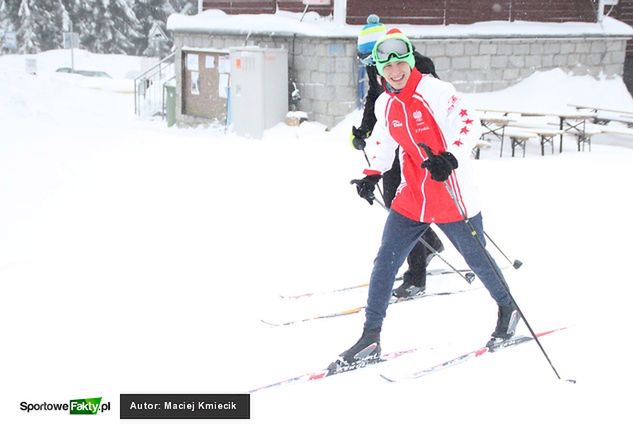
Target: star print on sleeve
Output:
{"points": [[464, 130], [457, 143], [451, 103], [463, 112], [468, 121]]}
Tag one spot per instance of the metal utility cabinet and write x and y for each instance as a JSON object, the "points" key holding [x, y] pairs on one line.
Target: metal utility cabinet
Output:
{"points": [[259, 89]]}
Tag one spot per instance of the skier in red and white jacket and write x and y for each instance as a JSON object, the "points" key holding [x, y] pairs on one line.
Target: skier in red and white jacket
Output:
{"points": [[435, 131], [414, 278]]}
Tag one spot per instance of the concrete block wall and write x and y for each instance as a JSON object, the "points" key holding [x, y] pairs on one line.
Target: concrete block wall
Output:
{"points": [[492, 64], [326, 73], [326, 70]]}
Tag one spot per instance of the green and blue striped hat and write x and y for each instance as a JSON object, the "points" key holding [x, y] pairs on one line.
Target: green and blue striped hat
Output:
{"points": [[369, 35]]}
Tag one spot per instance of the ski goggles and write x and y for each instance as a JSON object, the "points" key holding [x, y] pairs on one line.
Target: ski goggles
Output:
{"points": [[392, 50]]}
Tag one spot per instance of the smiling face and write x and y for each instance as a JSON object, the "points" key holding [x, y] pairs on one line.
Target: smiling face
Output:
{"points": [[397, 74]]}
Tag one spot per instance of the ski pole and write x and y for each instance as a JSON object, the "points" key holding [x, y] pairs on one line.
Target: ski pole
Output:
{"points": [[469, 277], [503, 281], [515, 264], [382, 195], [475, 236]]}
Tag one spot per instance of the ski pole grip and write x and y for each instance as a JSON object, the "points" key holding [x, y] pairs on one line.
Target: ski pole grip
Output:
{"points": [[427, 149]]}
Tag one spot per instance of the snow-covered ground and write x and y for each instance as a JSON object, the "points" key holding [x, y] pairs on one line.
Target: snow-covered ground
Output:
{"points": [[136, 258]]}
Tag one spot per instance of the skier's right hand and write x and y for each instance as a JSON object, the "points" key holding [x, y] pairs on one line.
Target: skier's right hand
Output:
{"points": [[365, 187], [441, 165], [357, 138]]}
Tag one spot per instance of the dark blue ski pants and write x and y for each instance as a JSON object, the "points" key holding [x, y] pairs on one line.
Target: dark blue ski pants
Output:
{"points": [[400, 236]]}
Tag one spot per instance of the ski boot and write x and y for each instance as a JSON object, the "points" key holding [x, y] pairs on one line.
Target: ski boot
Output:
{"points": [[507, 319], [365, 351], [407, 290]]}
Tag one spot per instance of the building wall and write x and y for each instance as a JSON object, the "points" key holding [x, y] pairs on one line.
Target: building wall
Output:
{"points": [[624, 12], [493, 64], [429, 12], [326, 70]]}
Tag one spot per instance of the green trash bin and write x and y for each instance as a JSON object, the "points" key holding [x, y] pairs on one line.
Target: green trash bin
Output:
{"points": [[170, 104]]}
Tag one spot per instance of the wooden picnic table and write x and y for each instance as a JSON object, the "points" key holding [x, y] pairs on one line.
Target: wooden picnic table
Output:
{"points": [[605, 115], [571, 122], [575, 123], [495, 125], [596, 109]]}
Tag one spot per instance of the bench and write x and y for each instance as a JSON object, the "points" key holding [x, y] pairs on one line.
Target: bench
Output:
{"points": [[494, 125], [583, 136], [614, 130], [546, 135], [606, 115], [604, 129], [518, 138], [479, 145], [606, 118]]}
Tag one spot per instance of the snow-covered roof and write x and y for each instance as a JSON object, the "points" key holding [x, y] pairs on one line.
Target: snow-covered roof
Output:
{"points": [[289, 23]]}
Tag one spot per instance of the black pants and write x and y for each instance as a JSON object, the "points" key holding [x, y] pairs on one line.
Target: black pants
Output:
{"points": [[416, 274]]}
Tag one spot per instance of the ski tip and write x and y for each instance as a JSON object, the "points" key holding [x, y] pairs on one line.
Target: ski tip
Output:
{"points": [[271, 324], [290, 297], [388, 379], [554, 330]]}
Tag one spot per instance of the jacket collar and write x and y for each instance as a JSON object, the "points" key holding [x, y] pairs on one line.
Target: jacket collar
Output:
{"points": [[409, 89]]}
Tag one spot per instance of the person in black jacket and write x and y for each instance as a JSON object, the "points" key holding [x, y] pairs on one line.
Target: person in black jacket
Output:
{"points": [[414, 279]]}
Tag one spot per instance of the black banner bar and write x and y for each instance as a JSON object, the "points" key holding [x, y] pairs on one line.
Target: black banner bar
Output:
{"points": [[185, 406]]}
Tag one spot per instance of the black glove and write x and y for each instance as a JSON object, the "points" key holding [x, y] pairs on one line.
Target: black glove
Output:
{"points": [[440, 166], [357, 138], [365, 187]]}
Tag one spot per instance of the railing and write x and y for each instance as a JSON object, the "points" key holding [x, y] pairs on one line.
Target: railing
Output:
{"points": [[148, 88]]}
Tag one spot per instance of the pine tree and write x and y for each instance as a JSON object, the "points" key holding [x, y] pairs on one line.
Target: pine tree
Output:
{"points": [[153, 12], [116, 28], [49, 14], [8, 19], [9, 14], [4, 17], [104, 26], [39, 25], [80, 19], [185, 7], [27, 39], [5, 20]]}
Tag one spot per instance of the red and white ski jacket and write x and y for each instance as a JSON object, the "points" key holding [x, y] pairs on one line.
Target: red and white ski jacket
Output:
{"points": [[427, 110]]}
